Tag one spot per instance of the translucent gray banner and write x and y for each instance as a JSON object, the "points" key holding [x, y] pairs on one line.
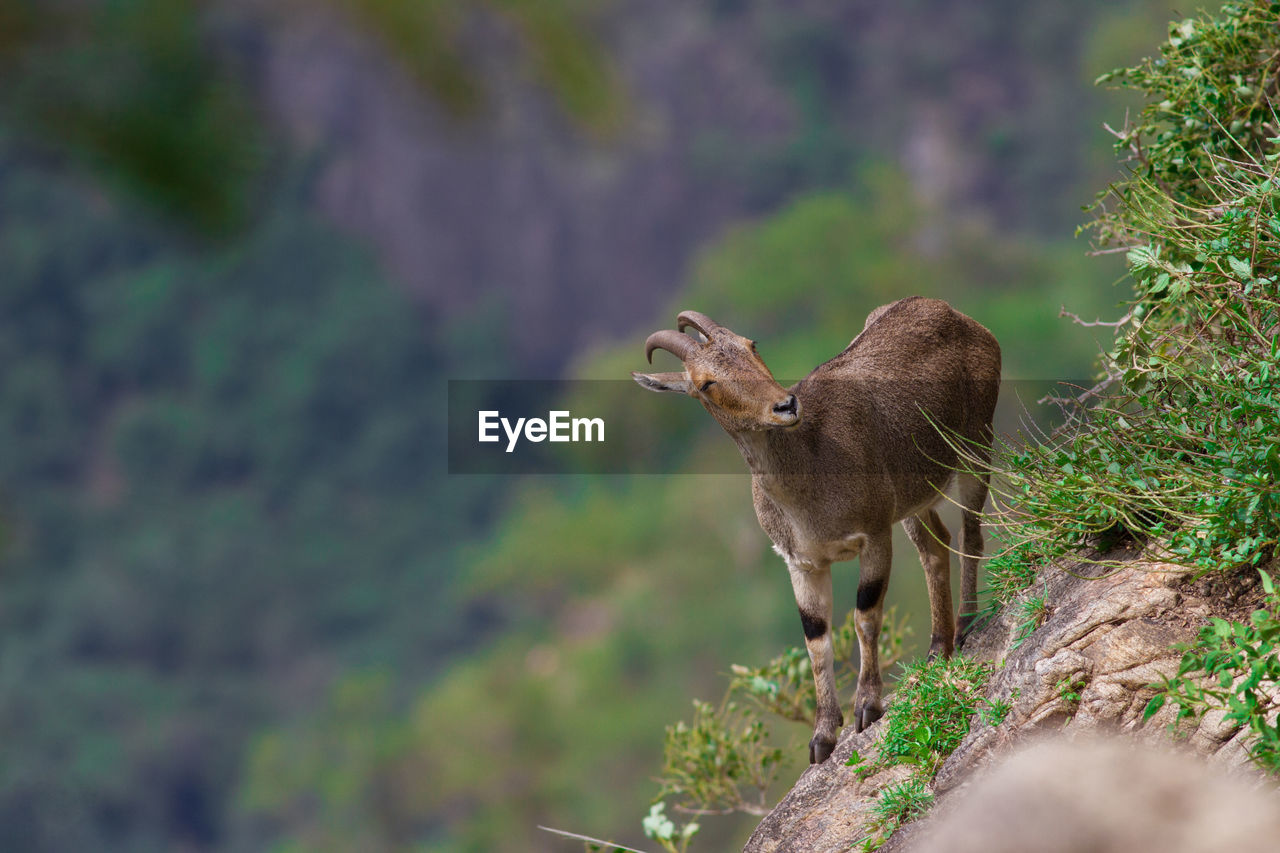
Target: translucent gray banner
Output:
{"points": [[617, 427]]}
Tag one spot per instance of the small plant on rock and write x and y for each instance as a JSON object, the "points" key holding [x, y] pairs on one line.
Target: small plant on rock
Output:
{"points": [[1033, 612], [1070, 688], [1234, 667], [895, 805], [929, 714]]}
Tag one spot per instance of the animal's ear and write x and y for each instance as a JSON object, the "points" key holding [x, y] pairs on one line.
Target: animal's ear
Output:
{"points": [[663, 381]]}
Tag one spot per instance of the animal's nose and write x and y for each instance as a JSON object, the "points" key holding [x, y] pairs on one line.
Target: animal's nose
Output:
{"points": [[787, 406]]}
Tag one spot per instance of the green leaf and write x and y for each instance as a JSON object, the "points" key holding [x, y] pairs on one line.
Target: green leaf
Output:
{"points": [[1156, 703]]}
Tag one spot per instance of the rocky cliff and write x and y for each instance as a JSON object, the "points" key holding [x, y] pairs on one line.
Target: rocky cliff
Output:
{"points": [[1106, 638]]}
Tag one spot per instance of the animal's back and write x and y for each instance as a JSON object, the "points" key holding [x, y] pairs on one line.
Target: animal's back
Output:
{"points": [[923, 350], [919, 375], [917, 336]]}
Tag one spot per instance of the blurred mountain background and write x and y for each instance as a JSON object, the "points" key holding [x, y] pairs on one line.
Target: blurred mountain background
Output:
{"points": [[244, 245]]}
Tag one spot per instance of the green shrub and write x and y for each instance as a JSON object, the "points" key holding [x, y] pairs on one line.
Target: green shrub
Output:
{"points": [[710, 761], [1179, 441], [1234, 667]]}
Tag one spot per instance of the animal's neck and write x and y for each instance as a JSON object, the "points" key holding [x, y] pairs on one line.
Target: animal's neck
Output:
{"points": [[774, 454], [756, 450]]}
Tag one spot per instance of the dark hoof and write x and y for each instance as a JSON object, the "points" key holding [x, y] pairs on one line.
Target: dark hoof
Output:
{"points": [[867, 712], [820, 748], [939, 647]]}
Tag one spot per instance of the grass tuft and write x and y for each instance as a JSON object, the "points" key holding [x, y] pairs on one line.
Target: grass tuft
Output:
{"points": [[929, 714], [895, 805]]}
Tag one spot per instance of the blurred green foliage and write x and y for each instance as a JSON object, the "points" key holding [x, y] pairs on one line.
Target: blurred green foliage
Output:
{"points": [[131, 90], [431, 41], [219, 471], [721, 762], [152, 96], [581, 689]]}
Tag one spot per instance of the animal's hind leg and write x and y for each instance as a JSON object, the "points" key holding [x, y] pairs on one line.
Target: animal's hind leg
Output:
{"points": [[933, 541], [973, 496], [875, 561]]}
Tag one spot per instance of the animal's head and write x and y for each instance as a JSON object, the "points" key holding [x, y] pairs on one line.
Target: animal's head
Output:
{"points": [[724, 372]]}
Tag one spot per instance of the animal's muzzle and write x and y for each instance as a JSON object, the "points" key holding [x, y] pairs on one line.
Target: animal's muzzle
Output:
{"points": [[786, 407]]}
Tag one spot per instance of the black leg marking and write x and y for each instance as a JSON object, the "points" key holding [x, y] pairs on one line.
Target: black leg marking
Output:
{"points": [[814, 626], [869, 593]]}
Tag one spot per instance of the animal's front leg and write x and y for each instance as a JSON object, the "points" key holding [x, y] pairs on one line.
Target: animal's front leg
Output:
{"points": [[812, 586], [876, 560]]}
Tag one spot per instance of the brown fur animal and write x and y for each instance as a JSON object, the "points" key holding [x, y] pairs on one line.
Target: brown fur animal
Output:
{"points": [[864, 441]]}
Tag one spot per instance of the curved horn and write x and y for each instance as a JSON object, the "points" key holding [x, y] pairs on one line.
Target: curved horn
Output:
{"points": [[699, 321], [671, 341]]}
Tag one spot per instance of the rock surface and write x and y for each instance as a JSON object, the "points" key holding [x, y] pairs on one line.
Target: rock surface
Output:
{"points": [[1104, 795], [1109, 633]]}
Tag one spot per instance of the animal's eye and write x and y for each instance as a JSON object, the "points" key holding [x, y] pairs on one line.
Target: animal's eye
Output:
{"points": [[706, 385]]}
